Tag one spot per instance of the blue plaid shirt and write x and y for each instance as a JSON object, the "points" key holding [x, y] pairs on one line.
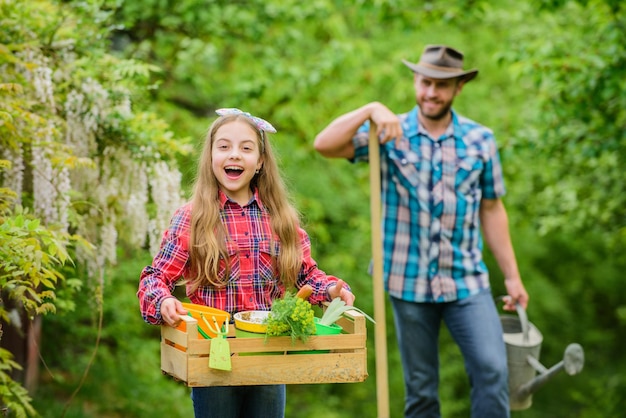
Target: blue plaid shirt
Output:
{"points": [[431, 194]]}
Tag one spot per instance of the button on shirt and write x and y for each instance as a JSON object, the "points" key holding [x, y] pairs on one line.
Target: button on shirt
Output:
{"points": [[253, 282], [431, 190]]}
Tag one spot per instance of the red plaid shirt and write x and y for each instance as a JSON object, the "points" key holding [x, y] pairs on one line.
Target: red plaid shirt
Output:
{"points": [[253, 283]]}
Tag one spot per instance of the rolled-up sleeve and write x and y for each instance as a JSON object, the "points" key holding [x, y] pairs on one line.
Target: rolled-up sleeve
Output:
{"points": [[157, 280], [492, 179], [312, 275], [360, 140]]}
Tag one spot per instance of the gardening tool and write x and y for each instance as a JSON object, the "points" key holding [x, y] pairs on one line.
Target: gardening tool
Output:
{"points": [[380, 333], [219, 354], [194, 311], [523, 344]]}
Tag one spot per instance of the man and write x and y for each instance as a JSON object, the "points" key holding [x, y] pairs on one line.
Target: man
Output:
{"points": [[441, 183]]}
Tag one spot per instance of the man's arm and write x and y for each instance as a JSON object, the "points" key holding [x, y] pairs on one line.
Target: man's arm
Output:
{"points": [[336, 139], [495, 225]]}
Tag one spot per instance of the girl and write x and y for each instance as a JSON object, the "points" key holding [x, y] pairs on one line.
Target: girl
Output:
{"points": [[239, 246]]}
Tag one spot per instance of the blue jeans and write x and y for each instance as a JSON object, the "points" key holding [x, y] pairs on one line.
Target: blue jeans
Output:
{"points": [[475, 326], [239, 401]]}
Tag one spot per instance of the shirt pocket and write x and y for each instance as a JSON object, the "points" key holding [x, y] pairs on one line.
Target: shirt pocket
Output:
{"points": [[405, 168], [232, 266], [469, 170], [268, 255]]}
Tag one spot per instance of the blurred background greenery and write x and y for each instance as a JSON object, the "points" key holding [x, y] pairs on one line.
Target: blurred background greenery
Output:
{"points": [[551, 86]]}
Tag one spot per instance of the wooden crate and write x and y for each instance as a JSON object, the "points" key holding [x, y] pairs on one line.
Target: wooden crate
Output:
{"points": [[257, 361]]}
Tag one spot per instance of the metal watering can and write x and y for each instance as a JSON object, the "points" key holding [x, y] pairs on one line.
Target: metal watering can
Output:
{"points": [[523, 344]]}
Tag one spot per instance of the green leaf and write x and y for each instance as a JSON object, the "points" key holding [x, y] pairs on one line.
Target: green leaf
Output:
{"points": [[336, 308]]}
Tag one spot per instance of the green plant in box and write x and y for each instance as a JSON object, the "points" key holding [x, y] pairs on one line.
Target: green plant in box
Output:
{"points": [[335, 309], [292, 316]]}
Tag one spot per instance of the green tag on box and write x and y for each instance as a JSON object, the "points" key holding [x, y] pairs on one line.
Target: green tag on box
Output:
{"points": [[219, 354], [219, 357]]}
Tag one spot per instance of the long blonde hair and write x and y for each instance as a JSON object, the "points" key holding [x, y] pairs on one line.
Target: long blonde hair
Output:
{"points": [[208, 235]]}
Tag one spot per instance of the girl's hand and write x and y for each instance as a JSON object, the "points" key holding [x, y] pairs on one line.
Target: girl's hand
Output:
{"points": [[171, 310], [339, 290]]}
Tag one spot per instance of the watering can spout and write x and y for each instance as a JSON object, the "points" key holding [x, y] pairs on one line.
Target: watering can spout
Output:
{"points": [[572, 363], [526, 374]]}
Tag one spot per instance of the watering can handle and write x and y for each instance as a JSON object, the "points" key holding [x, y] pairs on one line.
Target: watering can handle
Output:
{"points": [[523, 318]]}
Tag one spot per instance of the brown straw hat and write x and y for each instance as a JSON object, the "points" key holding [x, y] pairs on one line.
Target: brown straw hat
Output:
{"points": [[440, 61]]}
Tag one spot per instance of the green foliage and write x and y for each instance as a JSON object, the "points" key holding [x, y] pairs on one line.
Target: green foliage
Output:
{"points": [[550, 84], [292, 316], [567, 164], [65, 115], [338, 307], [30, 257], [31, 260], [579, 119], [125, 379], [15, 399]]}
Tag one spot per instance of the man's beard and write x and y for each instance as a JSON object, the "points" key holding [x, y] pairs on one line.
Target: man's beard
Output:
{"points": [[443, 113]]}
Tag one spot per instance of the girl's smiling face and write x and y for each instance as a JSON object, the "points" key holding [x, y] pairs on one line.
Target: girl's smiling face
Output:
{"points": [[236, 157]]}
